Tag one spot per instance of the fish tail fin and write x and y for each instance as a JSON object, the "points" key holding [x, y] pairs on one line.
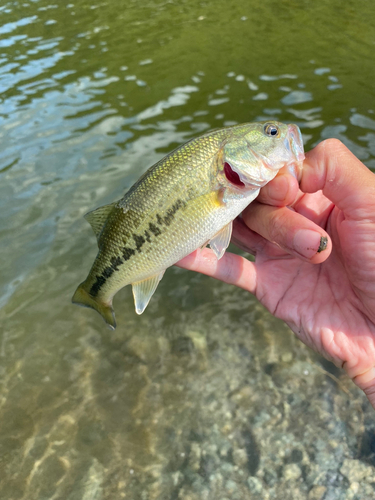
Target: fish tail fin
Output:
{"points": [[83, 298]]}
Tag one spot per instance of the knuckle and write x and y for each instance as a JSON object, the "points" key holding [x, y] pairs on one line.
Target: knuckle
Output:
{"points": [[370, 391], [333, 150], [277, 223], [227, 271], [332, 144]]}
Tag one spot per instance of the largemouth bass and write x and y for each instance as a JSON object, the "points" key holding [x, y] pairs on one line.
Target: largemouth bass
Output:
{"points": [[186, 200]]}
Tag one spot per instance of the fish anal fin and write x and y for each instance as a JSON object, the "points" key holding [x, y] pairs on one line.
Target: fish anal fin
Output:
{"points": [[220, 242], [144, 290], [96, 218]]}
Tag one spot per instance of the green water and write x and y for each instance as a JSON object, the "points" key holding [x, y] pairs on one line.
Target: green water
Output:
{"points": [[91, 95]]}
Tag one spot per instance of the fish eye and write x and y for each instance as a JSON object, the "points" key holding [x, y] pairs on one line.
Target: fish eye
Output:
{"points": [[271, 130]]}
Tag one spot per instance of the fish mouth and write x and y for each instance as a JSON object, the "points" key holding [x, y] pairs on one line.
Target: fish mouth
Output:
{"points": [[295, 169], [239, 179], [242, 179], [293, 144], [233, 176]]}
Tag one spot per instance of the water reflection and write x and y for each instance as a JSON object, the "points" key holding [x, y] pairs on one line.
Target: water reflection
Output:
{"points": [[204, 396]]}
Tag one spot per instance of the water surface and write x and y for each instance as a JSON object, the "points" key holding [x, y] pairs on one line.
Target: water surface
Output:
{"points": [[205, 396]]}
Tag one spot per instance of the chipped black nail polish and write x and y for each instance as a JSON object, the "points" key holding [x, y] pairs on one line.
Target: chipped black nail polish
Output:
{"points": [[323, 244]]}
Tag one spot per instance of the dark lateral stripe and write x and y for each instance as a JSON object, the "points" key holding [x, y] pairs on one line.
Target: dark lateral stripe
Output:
{"points": [[107, 273], [139, 240], [100, 280], [147, 236], [115, 262], [154, 229], [127, 253], [169, 216], [159, 220]]}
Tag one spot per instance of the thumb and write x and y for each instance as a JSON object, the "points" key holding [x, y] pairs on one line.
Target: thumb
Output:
{"points": [[344, 179]]}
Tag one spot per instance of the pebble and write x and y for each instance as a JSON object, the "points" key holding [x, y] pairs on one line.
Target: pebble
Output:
{"points": [[255, 485], [292, 472], [317, 493], [240, 457], [357, 471]]}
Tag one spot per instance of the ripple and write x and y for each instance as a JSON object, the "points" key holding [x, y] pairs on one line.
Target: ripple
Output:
{"points": [[362, 121], [91, 96], [296, 97], [9, 27], [217, 102], [262, 96], [322, 71]]}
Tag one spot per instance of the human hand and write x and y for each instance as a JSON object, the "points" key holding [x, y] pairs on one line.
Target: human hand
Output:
{"points": [[327, 297]]}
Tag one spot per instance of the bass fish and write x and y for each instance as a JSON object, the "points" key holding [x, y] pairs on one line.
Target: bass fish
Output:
{"points": [[183, 202]]}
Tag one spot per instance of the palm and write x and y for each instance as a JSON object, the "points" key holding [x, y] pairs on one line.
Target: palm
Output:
{"points": [[330, 306], [327, 299]]}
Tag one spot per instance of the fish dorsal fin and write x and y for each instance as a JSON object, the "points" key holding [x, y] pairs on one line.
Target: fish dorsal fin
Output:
{"points": [[96, 218], [144, 290], [220, 242]]}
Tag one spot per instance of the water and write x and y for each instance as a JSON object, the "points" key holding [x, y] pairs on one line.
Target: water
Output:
{"points": [[205, 395]]}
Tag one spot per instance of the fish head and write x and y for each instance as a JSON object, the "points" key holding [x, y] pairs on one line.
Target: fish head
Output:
{"points": [[255, 152]]}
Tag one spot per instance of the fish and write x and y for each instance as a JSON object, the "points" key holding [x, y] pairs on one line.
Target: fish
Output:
{"points": [[185, 201]]}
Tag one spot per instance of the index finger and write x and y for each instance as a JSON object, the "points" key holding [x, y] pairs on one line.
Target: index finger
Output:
{"points": [[344, 179]]}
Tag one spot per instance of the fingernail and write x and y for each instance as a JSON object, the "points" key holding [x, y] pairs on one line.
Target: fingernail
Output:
{"points": [[307, 243]]}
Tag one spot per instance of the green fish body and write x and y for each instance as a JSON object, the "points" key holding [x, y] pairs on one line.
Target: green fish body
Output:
{"points": [[186, 200]]}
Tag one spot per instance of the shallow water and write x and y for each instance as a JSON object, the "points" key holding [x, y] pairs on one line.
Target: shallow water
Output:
{"points": [[205, 396]]}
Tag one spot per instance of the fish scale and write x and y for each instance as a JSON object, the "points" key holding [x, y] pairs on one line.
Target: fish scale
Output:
{"points": [[181, 203]]}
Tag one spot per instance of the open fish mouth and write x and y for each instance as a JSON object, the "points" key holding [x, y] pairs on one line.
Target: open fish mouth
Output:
{"points": [[234, 177], [240, 179], [293, 145]]}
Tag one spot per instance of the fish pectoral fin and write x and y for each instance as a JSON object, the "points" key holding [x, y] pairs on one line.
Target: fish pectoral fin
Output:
{"points": [[220, 242], [96, 218], [144, 290]]}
